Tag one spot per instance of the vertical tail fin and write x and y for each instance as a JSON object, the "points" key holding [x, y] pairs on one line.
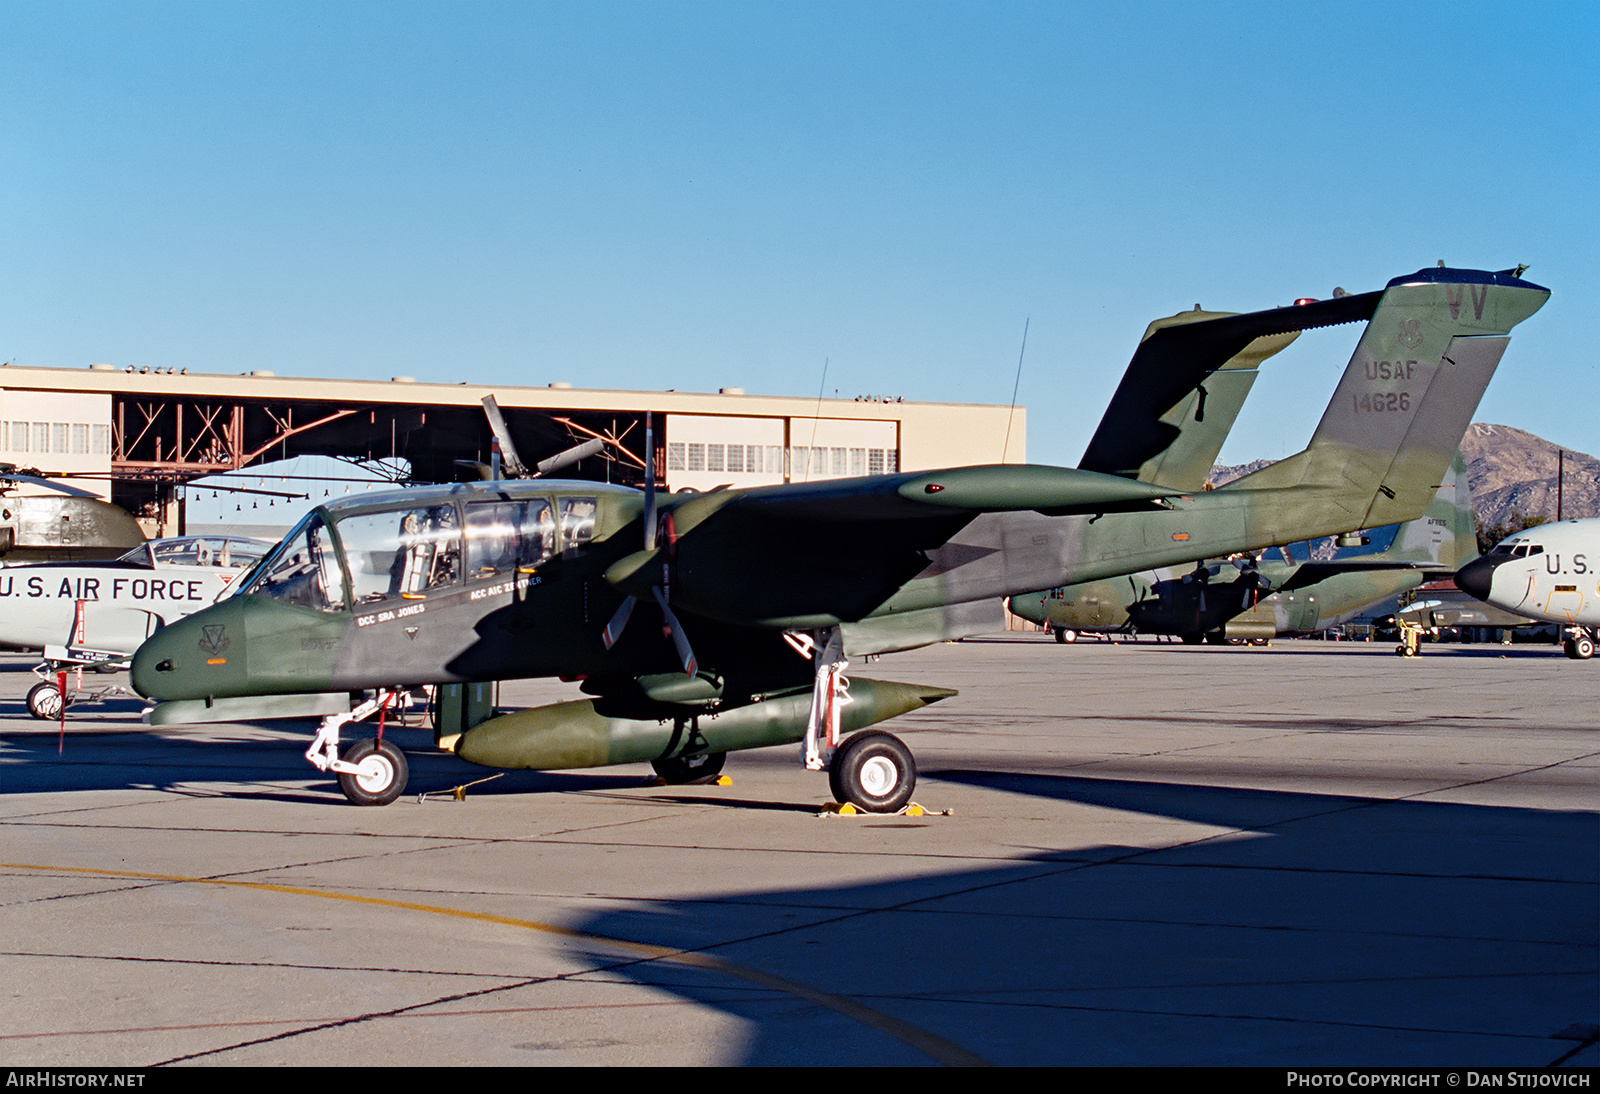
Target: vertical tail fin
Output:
{"points": [[1445, 536], [1408, 394], [1206, 414]]}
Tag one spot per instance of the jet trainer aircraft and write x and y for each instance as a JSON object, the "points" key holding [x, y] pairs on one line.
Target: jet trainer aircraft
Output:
{"points": [[97, 613], [740, 588], [1251, 599], [1549, 572]]}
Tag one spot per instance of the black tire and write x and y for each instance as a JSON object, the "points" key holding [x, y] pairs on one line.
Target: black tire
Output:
{"points": [[681, 770], [1061, 635], [1580, 648], [1191, 638], [44, 701], [874, 772], [386, 779]]}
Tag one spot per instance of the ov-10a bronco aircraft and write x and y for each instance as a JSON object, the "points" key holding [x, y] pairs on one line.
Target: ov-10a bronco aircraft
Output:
{"points": [[739, 589]]}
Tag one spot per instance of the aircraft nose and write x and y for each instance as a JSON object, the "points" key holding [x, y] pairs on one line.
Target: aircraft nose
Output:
{"points": [[191, 658], [158, 662], [1477, 576]]}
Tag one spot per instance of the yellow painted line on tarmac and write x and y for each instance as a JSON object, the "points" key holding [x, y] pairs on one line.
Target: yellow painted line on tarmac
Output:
{"points": [[936, 1047]]}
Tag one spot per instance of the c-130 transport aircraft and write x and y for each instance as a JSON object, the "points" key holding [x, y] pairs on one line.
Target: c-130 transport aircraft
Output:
{"points": [[707, 623]]}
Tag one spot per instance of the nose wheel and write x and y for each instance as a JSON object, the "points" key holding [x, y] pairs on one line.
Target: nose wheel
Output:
{"points": [[379, 775], [874, 772], [1579, 647], [45, 701]]}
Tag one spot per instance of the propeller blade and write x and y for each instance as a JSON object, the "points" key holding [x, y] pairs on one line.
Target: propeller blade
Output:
{"points": [[679, 639], [568, 457], [48, 484], [613, 631], [649, 482], [514, 468]]}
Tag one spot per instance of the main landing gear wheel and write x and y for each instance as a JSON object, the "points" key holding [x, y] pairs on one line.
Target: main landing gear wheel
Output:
{"points": [[874, 772], [44, 701], [678, 770], [1066, 635], [1579, 649], [383, 773]]}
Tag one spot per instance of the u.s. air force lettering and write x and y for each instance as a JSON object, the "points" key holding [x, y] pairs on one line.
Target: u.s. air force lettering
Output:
{"points": [[117, 588], [113, 606]]}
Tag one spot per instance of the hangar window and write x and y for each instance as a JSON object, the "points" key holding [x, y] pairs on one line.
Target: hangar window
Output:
{"points": [[677, 458]]}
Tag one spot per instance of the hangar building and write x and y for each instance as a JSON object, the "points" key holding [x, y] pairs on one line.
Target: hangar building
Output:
{"points": [[134, 436]]}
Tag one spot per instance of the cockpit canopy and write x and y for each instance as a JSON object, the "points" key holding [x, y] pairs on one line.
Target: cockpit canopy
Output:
{"points": [[417, 547], [223, 552], [1516, 548]]}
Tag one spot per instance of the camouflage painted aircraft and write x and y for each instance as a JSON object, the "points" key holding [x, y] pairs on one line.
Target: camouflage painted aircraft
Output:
{"points": [[740, 589], [1254, 599]]}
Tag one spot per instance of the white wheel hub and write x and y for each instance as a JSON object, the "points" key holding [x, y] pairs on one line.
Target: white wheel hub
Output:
{"points": [[879, 776], [375, 774]]}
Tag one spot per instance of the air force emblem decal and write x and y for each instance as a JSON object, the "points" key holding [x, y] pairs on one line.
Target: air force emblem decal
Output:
{"points": [[213, 638]]}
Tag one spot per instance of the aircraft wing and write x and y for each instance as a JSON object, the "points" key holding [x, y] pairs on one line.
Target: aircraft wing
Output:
{"points": [[993, 488], [1174, 360], [840, 548], [1309, 573]]}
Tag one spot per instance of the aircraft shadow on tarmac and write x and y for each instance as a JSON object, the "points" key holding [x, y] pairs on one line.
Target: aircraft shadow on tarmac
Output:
{"points": [[247, 763], [1331, 930]]}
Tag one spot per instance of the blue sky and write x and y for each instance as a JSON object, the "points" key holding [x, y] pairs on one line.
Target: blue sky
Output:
{"points": [[692, 195]]}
